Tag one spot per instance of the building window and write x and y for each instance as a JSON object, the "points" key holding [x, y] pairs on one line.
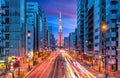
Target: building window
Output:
{"points": [[30, 5], [6, 28], [96, 44], [28, 49], [96, 37], [31, 9], [113, 39], [113, 29], [7, 36], [113, 20], [7, 12], [114, 2], [114, 11], [7, 44], [7, 20], [113, 48], [96, 30]]}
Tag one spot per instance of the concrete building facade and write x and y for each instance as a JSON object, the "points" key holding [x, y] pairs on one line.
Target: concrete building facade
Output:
{"points": [[11, 24], [95, 14], [34, 27]]}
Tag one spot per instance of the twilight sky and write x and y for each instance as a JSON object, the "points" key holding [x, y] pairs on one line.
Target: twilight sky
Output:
{"points": [[51, 10]]}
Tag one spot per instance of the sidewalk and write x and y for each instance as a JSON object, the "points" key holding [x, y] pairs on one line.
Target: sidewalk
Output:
{"points": [[24, 68]]}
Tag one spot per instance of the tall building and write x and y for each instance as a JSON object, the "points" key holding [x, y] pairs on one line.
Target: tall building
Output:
{"points": [[45, 34], [49, 36], [72, 41], [34, 26], [85, 25], [91, 15], [112, 13], [80, 25], [66, 42], [12, 24], [51, 39]]}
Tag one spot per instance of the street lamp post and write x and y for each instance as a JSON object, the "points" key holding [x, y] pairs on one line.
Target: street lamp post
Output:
{"points": [[28, 61], [104, 31], [99, 63], [118, 49]]}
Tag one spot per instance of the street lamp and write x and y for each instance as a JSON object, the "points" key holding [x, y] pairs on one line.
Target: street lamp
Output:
{"points": [[104, 27], [28, 34], [104, 31]]}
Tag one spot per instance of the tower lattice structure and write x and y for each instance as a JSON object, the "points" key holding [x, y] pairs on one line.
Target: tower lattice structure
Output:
{"points": [[60, 41]]}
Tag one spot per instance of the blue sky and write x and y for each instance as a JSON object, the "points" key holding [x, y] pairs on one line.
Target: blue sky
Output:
{"points": [[51, 10]]}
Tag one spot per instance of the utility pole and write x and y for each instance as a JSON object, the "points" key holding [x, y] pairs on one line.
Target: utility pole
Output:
{"points": [[19, 57], [118, 49]]}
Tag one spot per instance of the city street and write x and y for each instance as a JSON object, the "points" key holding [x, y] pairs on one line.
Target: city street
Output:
{"points": [[59, 65], [59, 39], [49, 68]]}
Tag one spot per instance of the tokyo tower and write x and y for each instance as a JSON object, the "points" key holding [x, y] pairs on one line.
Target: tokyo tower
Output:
{"points": [[60, 41]]}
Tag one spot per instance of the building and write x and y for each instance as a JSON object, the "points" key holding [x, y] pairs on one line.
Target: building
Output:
{"points": [[80, 25], [66, 42], [49, 35], [91, 16], [112, 13], [34, 27], [11, 26], [53, 42], [50, 38], [45, 34], [72, 41]]}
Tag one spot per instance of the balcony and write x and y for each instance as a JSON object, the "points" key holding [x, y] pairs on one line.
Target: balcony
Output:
{"points": [[113, 34], [114, 7], [113, 52], [113, 43], [4, 6], [112, 61], [112, 25], [113, 16]]}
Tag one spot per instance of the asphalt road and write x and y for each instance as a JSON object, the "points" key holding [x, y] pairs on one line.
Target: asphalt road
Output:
{"points": [[50, 68], [60, 65]]}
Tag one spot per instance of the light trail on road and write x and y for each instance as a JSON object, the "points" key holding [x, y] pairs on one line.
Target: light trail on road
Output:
{"points": [[50, 68], [44, 69], [74, 69]]}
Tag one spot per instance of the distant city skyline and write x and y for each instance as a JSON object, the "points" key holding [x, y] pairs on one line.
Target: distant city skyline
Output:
{"points": [[51, 10]]}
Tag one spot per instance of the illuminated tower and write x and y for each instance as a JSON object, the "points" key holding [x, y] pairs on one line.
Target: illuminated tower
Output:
{"points": [[60, 41]]}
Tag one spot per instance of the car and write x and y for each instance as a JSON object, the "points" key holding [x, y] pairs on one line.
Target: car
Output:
{"points": [[2, 64], [2, 67]]}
